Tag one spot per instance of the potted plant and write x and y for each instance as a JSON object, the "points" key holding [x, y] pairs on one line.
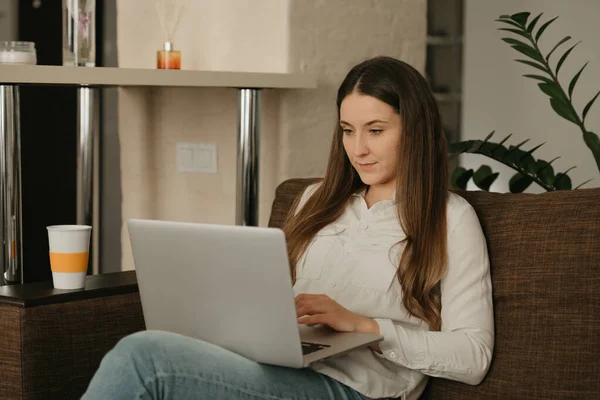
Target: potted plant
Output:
{"points": [[527, 168]]}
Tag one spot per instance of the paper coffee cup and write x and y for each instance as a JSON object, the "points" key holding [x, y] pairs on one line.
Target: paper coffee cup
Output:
{"points": [[69, 254]]}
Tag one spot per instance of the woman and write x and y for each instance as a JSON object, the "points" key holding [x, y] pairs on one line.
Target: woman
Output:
{"points": [[380, 246]]}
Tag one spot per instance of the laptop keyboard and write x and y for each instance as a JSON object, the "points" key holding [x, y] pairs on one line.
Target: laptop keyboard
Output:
{"points": [[308, 347]]}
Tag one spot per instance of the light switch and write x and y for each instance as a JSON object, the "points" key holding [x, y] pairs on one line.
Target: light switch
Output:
{"points": [[187, 158], [204, 158], [197, 157]]}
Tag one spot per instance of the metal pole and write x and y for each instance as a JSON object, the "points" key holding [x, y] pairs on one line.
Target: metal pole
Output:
{"points": [[87, 131], [247, 157], [10, 186]]}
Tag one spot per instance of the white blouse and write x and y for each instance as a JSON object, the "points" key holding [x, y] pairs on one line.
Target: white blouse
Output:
{"points": [[354, 262]]}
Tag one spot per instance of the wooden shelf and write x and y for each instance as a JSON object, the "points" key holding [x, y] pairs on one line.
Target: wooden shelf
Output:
{"points": [[123, 77]]}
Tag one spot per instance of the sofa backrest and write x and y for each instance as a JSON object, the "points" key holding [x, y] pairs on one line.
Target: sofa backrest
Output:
{"points": [[545, 263]]}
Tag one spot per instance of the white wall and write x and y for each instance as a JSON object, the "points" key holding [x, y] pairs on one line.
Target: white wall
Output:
{"points": [[226, 35], [328, 38], [497, 97]]}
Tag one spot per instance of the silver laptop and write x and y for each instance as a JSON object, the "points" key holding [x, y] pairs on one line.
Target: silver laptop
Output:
{"points": [[230, 286]]}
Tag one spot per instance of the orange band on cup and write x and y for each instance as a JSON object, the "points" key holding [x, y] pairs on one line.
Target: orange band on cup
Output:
{"points": [[69, 262]]}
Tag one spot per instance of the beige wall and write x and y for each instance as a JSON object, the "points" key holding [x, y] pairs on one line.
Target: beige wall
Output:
{"points": [[321, 37], [328, 38], [229, 35], [497, 97]]}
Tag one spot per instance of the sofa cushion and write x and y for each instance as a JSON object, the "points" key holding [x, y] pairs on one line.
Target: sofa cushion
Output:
{"points": [[285, 195], [545, 264]]}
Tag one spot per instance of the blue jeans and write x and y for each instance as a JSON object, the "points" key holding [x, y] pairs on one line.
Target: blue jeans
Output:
{"points": [[160, 365]]}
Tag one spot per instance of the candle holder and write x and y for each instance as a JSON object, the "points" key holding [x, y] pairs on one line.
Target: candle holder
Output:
{"points": [[17, 53]]}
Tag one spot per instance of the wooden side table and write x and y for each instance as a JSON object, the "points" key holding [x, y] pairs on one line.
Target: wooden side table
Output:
{"points": [[52, 341]]}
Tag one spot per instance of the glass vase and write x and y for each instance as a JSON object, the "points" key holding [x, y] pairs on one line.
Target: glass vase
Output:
{"points": [[79, 33]]}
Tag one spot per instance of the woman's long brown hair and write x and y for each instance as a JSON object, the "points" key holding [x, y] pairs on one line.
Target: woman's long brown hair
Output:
{"points": [[421, 183]]}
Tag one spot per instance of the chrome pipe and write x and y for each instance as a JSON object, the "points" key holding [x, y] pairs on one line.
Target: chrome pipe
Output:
{"points": [[248, 157], [87, 132], [10, 186]]}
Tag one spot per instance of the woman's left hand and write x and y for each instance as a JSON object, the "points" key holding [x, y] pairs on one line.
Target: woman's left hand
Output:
{"points": [[321, 309]]}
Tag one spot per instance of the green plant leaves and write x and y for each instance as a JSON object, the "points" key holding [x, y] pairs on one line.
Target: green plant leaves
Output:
{"points": [[545, 172], [556, 47], [494, 150], [588, 106], [489, 136], [583, 183], [543, 28], [530, 152], [521, 159], [560, 99], [520, 18], [552, 90], [527, 163], [535, 65], [564, 57], [512, 23], [519, 182], [504, 140], [460, 177], [540, 78], [593, 143], [460, 147], [513, 41], [563, 109], [528, 169], [533, 22], [574, 80], [525, 48], [513, 155], [529, 51], [484, 177], [562, 182], [518, 32], [531, 170]]}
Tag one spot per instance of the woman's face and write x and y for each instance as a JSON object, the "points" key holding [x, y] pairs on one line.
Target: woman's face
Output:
{"points": [[371, 131]]}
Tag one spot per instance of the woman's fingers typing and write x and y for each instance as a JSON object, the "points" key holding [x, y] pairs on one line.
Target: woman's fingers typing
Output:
{"points": [[314, 319], [310, 304]]}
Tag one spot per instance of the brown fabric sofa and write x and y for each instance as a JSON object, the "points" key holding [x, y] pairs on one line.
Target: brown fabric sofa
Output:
{"points": [[545, 264], [545, 261]]}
